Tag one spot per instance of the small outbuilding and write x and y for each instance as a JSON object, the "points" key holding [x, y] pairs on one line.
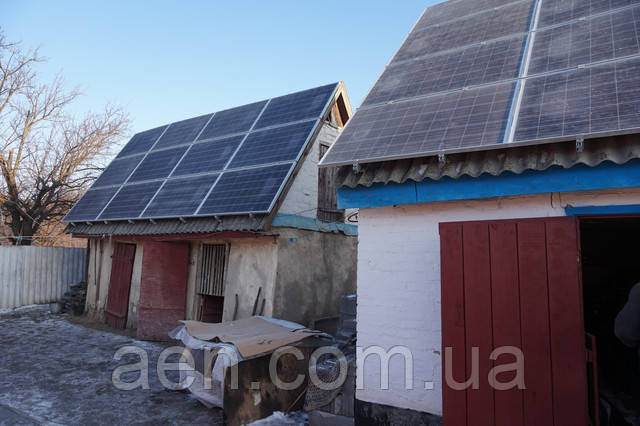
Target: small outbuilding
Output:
{"points": [[221, 217], [496, 168]]}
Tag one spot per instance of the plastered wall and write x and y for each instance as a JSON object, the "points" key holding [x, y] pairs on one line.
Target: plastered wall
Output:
{"points": [[399, 283]]}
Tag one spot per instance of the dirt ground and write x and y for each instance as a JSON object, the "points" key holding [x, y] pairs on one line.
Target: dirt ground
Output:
{"points": [[57, 370]]}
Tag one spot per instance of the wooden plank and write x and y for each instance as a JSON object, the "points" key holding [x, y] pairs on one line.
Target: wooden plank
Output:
{"points": [[478, 320], [534, 306], [568, 350], [506, 317], [454, 402]]}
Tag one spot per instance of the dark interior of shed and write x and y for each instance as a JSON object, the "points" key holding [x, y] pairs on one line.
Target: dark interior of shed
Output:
{"points": [[611, 266]]}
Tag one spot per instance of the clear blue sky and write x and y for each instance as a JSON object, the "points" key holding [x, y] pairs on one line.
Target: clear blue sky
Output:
{"points": [[168, 60]]}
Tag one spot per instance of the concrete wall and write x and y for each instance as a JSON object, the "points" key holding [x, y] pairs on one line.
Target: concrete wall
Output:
{"points": [[251, 266], [314, 270], [399, 282], [302, 198], [31, 274], [134, 294]]}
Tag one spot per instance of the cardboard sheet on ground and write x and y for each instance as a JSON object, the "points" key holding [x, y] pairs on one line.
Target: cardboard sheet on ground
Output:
{"points": [[252, 336]]}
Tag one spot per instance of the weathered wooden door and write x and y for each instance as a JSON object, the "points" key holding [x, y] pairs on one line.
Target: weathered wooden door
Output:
{"points": [[163, 288], [120, 284], [514, 283]]}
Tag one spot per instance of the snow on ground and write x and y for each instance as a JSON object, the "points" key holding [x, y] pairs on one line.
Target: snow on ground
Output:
{"points": [[56, 372]]}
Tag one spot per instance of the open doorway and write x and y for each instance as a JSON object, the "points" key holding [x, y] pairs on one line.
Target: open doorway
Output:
{"points": [[610, 268]]}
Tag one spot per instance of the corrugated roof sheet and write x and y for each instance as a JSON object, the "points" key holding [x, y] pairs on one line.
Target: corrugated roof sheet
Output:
{"points": [[618, 149], [172, 226]]}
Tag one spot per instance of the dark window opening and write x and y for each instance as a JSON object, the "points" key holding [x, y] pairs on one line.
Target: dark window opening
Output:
{"points": [[610, 268], [211, 286]]}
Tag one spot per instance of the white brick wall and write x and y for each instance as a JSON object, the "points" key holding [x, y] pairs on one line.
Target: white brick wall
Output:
{"points": [[302, 198], [399, 282]]}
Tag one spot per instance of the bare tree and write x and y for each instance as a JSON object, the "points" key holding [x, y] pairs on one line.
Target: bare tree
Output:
{"points": [[48, 158]]}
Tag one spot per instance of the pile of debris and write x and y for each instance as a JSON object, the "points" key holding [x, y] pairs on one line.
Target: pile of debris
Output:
{"points": [[74, 300]]}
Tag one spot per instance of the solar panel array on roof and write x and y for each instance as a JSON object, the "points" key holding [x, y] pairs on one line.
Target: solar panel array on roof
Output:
{"points": [[231, 162], [558, 70]]}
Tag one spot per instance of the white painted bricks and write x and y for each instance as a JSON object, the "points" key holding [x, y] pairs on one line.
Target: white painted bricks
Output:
{"points": [[399, 283]]}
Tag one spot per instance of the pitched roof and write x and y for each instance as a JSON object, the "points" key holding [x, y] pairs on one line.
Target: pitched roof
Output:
{"points": [[204, 170]]}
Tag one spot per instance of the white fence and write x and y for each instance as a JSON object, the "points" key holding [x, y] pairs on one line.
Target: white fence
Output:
{"points": [[31, 275]]}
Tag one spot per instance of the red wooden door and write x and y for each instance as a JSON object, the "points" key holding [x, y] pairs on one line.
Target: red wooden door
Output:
{"points": [[514, 283], [163, 288], [120, 284]]}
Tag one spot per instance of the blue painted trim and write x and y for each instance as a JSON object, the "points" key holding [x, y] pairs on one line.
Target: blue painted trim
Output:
{"points": [[602, 210], [555, 179], [311, 224]]}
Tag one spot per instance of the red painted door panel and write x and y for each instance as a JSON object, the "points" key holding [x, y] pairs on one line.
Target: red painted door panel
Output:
{"points": [[120, 285], [163, 288], [514, 283]]}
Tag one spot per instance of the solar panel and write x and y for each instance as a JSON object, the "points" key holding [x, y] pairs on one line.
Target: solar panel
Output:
{"points": [[235, 120], [295, 107], [479, 64], [130, 201], [578, 73], [587, 41], [493, 24], [91, 204], [273, 145], [142, 142], [118, 171], [180, 196], [451, 10], [450, 121], [246, 191], [158, 164], [182, 132], [599, 99], [559, 11], [237, 159], [204, 157]]}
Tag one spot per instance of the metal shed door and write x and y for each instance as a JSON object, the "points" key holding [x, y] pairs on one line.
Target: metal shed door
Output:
{"points": [[120, 284], [514, 283]]}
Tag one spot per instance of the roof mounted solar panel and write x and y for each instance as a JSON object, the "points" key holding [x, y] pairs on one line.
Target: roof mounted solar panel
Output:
{"points": [[235, 161], [142, 142], [555, 12], [91, 204], [232, 121], [182, 132], [130, 201], [158, 164], [273, 145], [118, 171], [450, 121], [589, 40], [476, 65], [298, 106], [452, 10], [180, 196], [578, 69], [246, 191], [208, 156], [493, 24]]}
